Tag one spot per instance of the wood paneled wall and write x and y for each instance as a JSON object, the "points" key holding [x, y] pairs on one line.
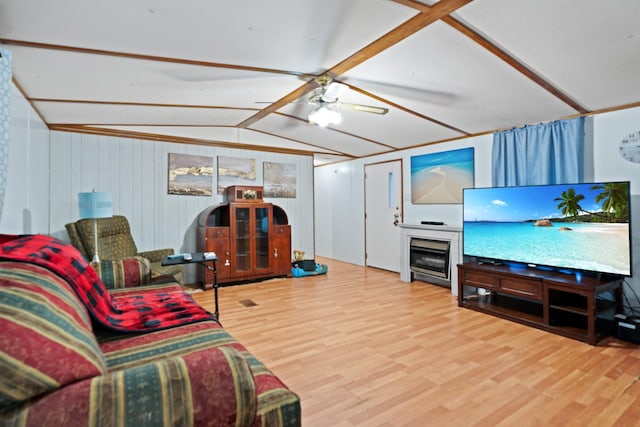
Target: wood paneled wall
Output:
{"points": [[48, 169], [136, 173]]}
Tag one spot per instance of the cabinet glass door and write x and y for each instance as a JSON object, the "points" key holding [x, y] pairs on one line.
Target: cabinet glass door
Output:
{"points": [[262, 238], [243, 239]]}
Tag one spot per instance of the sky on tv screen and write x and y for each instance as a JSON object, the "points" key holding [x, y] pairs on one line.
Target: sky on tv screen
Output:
{"points": [[511, 204]]}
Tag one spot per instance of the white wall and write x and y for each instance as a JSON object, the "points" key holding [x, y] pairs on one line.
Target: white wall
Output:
{"points": [[47, 170], [339, 212], [339, 192], [339, 187], [26, 203], [608, 130]]}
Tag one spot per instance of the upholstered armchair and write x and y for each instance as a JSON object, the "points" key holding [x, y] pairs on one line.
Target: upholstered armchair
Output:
{"points": [[115, 243]]}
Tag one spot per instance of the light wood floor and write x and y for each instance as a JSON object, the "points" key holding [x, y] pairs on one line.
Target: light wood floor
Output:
{"points": [[361, 348]]}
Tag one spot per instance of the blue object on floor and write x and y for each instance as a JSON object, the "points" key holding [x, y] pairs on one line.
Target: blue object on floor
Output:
{"points": [[299, 272]]}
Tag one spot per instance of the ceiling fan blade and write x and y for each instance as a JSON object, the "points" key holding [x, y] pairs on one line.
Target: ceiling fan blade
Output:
{"points": [[333, 91], [294, 102], [360, 107]]}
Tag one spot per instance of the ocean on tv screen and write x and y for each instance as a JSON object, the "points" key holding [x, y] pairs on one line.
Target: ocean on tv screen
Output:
{"points": [[592, 247]]}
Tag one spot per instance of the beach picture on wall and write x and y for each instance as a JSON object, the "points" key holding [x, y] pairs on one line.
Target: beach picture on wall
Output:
{"points": [[190, 175], [235, 171], [439, 178], [279, 179]]}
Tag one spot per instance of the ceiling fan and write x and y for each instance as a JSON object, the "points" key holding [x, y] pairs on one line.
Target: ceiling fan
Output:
{"points": [[326, 98]]}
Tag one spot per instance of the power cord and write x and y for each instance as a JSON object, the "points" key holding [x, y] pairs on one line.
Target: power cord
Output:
{"points": [[628, 305]]}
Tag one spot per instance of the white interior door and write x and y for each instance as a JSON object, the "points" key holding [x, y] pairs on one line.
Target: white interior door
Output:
{"points": [[383, 213]]}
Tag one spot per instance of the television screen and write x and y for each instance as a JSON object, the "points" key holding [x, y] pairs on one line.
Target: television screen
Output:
{"points": [[570, 226]]}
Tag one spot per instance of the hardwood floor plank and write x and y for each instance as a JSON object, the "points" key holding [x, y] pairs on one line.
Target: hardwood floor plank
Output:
{"points": [[362, 348]]}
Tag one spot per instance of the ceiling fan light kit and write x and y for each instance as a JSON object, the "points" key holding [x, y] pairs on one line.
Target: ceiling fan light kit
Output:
{"points": [[327, 94], [322, 116]]}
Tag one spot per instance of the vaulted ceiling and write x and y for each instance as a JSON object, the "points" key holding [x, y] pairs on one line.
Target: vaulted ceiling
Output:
{"points": [[238, 73]]}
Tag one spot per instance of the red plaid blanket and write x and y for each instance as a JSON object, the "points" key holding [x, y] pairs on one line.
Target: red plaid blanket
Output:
{"points": [[135, 313]]}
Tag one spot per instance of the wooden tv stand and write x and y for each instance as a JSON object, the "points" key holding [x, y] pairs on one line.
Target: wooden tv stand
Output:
{"points": [[577, 307]]}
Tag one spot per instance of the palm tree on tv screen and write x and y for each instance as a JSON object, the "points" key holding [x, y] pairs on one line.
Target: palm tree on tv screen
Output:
{"points": [[570, 203], [614, 198]]}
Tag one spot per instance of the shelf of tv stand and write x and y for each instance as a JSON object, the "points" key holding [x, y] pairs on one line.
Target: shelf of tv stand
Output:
{"points": [[578, 307], [506, 307]]}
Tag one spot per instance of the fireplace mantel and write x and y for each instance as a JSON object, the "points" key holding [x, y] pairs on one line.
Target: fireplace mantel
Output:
{"points": [[435, 232]]}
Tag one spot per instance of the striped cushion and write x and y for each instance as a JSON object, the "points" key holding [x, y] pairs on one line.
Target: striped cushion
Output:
{"points": [[277, 405], [124, 273], [209, 388], [212, 387], [46, 341], [130, 350]]}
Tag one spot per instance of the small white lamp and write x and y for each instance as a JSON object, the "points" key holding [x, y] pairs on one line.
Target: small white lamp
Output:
{"points": [[94, 205]]}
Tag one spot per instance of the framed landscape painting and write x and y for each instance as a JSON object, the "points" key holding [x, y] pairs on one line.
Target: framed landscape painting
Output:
{"points": [[279, 179], [439, 178], [235, 171], [190, 175]]}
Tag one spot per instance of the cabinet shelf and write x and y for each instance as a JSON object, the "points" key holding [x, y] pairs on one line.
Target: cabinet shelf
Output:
{"points": [[574, 308], [570, 309], [506, 307]]}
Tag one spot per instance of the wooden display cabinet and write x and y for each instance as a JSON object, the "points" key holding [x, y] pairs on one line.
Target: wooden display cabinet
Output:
{"points": [[251, 238], [573, 305], [218, 238], [280, 243]]}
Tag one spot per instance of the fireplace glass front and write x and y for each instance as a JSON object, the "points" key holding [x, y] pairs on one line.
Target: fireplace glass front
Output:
{"points": [[429, 260]]}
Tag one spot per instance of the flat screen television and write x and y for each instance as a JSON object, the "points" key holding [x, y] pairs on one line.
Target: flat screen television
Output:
{"points": [[577, 227]]}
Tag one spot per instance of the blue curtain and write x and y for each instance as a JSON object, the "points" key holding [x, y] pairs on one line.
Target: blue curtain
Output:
{"points": [[550, 153]]}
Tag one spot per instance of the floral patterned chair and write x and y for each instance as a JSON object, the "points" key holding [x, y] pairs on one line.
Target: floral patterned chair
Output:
{"points": [[121, 262]]}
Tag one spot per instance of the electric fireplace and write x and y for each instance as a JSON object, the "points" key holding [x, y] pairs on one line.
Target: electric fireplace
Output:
{"points": [[429, 260]]}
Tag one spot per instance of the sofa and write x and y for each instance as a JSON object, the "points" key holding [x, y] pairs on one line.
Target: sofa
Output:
{"points": [[73, 353]]}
